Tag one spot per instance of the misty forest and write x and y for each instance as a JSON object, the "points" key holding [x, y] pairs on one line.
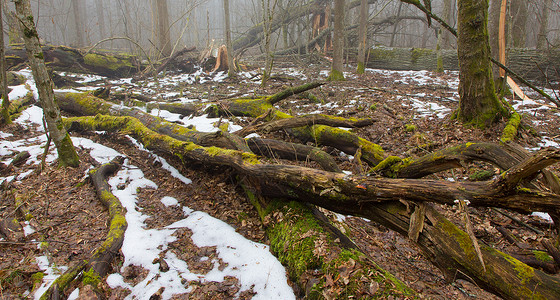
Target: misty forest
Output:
{"points": [[280, 149]]}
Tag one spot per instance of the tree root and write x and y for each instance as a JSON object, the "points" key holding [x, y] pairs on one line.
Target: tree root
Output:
{"points": [[100, 262]]}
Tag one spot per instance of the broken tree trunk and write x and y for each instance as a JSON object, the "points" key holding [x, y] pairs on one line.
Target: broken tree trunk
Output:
{"points": [[379, 199], [530, 63], [64, 58]]}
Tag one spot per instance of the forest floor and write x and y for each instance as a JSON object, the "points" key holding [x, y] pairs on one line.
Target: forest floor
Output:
{"points": [[66, 222]]}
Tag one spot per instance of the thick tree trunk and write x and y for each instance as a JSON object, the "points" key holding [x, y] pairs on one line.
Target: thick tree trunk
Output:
{"points": [[66, 152], [70, 59]]}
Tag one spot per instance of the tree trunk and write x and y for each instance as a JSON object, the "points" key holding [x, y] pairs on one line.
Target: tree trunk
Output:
{"points": [[63, 58], [66, 152], [338, 42], [163, 30], [5, 110], [478, 104], [362, 36], [78, 23], [447, 39], [100, 18], [519, 11], [542, 40], [229, 47], [493, 35]]}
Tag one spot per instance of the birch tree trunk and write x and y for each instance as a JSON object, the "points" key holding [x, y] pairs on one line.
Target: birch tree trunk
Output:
{"points": [[478, 104], [66, 152]]}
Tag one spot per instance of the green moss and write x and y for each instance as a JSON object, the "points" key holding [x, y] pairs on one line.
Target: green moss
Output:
{"points": [[510, 131], [361, 68], [481, 175], [542, 256], [386, 164], [417, 53], [288, 241], [524, 272], [37, 278], [409, 127], [106, 61], [67, 155], [91, 278], [335, 75], [373, 107], [28, 217]]}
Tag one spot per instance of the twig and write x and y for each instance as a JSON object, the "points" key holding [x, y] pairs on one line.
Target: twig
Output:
{"points": [[470, 231], [516, 220]]}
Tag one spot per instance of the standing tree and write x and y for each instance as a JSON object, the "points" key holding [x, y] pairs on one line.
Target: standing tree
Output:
{"points": [[100, 18], [162, 24], [67, 155], [478, 104], [229, 47], [268, 16], [543, 26], [362, 37], [338, 42], [78, 24], [519, 11], [4, 113]]}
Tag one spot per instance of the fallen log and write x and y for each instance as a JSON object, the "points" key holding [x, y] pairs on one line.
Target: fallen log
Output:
{"points": [[379, 199], [532, 64], [64, 58]]}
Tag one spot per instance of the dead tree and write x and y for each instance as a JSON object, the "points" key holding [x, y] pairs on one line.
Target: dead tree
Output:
{"points": [[401, 204]]}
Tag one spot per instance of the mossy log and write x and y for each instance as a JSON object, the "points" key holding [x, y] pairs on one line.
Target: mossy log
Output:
{"points": [[380, 199], [99, 264], [64, 58], [341, 139], [307, 120], [529, 63]]}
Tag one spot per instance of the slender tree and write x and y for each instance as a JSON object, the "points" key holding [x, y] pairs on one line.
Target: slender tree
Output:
{"points": [[100, 18], [67, 155], [229, 47], [338, 42], [362, 36], [543, 26], [78, 24], [4, 113], [478, 104]]}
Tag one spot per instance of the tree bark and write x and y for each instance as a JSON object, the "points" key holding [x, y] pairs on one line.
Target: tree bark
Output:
{"points": [[543, 26], [229, 46], [163, 30], [362, 36], [78, 23], [338, 42], [5, 110], [478, 103], [66, 152]]}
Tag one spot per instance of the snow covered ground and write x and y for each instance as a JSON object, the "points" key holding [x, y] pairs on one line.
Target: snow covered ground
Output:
{"points": [[251, 263]]}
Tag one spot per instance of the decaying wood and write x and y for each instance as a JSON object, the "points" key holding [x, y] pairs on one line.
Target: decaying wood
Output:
{"points": [[308, 120], [378, 199], [529, 62], [70, 59]]}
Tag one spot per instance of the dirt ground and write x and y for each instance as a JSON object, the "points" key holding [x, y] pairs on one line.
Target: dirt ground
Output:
{"points": [[70, 222]]}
